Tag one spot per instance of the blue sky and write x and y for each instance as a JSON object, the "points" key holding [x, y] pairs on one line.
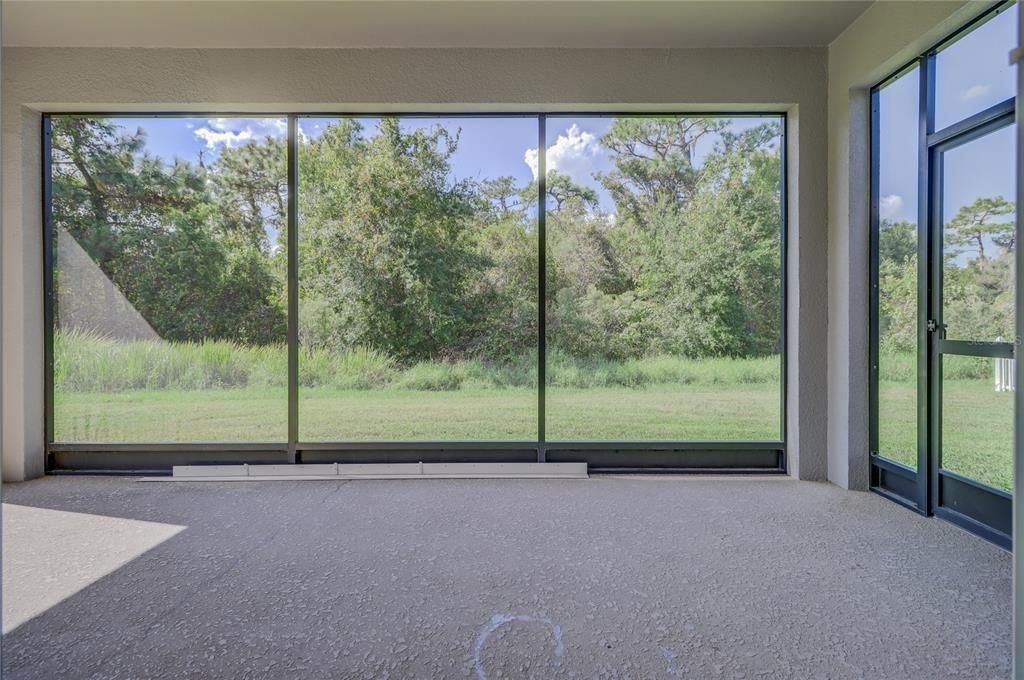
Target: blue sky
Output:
{"points": [[972, 74], [488, 147]]}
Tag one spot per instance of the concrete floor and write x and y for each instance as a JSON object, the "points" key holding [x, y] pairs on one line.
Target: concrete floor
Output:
{"points": [[667, 577]]}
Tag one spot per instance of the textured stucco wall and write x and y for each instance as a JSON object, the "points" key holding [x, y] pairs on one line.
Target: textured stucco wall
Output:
{"points": [[784, 79], [884, 38]]}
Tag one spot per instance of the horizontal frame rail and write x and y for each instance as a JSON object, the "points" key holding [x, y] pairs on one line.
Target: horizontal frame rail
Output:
{"points": [[894, 467], [974, 126], [895, 481], [973, 348], [733, 457]]}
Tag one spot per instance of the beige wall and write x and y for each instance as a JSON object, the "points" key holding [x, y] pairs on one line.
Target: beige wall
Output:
{"points": [[782, 79], [884, 38]]}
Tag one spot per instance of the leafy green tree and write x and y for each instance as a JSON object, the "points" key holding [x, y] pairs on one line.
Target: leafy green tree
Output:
{"points": [[897, 241], [155, 230], [978, 297], [654, 161], [397, 255], [503, 293], [503, 199], [250, 185], [564, 194], [695, 246], [897, 304], [978, 222], [387, 240]]}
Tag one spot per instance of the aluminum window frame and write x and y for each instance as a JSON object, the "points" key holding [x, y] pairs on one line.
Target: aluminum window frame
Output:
{"points": [[624, 456], [929, 489]]}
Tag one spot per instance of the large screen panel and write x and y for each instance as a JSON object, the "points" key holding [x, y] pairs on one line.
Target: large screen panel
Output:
{"points": [[169, 306], [418, 268], [664, 302]]}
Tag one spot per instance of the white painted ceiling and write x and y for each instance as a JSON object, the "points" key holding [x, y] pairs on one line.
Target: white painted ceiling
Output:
{"points": [[425, 23]]}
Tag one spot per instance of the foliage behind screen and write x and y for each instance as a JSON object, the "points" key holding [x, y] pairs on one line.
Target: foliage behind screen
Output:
{"points": [[418, 278]]}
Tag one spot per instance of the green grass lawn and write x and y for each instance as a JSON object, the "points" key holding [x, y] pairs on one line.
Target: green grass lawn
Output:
{"points": [[659, 412], [977, 432], [247, 414], [146, 391], [666, 413], [218, 391]]}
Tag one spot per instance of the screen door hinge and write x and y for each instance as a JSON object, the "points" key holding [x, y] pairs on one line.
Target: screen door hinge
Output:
{"points": [[933, 325]]}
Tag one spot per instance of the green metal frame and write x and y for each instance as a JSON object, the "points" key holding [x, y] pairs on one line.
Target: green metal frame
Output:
{"points": [[930, 489], [620, 456]]}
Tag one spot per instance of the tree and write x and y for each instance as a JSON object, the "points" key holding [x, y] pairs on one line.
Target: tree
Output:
{"points": [[397, 255], [654, 160], [897, 241], [976, 223], [502, 198], [156, 231], [503, 292], [897, 304], [695, 246], [978, 291], [387, 241], [565, 194], [250, 184]]}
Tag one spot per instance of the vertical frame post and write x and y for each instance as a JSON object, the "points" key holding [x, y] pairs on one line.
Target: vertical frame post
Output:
{"points": [[928, 376], [873, 267], [293, 288], [542, 286], [1018, 402], [49, 292], [783, 286]]}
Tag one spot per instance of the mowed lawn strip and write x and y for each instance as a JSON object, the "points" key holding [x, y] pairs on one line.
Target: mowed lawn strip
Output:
{"points": [[655, 413], [977, 432]]}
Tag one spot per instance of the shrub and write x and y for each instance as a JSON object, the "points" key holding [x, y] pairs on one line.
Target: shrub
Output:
{"points": [[432, 376], [363, 368]]}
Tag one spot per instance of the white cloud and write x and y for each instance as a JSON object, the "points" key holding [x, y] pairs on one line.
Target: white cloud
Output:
{"points": [[278, 125], [531, 159], [234, 131], [975, 91], [890, 206], [228, 138], [572, 154]]}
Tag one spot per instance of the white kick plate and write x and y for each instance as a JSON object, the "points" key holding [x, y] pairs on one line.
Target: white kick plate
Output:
{"points": [[322, 471]]}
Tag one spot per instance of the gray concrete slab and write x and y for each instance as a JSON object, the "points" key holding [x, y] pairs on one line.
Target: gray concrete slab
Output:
{"points": [[653, 577]]}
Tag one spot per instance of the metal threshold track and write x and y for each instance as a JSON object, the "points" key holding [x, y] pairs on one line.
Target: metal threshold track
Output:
{"points": [[335, 471]]}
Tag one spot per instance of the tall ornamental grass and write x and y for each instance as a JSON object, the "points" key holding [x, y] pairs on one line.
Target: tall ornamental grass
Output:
{"points": [[86, 362]]}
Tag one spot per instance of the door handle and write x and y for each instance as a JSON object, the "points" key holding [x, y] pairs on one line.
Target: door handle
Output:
{"points": [[935, 326]]}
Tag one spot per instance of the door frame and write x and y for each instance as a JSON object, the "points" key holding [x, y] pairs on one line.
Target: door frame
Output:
{"points": [[928, 489], [971, 504]]}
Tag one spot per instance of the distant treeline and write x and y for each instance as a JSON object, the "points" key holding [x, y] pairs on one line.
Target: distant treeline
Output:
{"points": [[397, 256]]}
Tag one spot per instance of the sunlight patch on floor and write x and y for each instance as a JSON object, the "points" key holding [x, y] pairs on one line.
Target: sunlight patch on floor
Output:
{"points": [[50, 555]]}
